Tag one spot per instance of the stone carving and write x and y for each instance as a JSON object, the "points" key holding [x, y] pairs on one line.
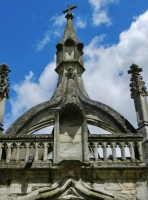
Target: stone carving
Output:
{"points": [[70, 73], [137, 84], [4, 84], [70, 194]]}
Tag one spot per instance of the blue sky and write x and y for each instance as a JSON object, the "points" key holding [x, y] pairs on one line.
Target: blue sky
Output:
{"points": [[114, 33]]}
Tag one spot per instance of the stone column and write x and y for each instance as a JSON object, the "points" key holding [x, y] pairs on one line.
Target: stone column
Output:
{"points": [[105, 151], [1, 148], [96, 151], [85, 141], [36, 151], [113, 146], [122, 147], [27, 151], [18, 151], [8, 153], [45, 151], [132, 153], [2, 111], [55, 145], [140, 151]]}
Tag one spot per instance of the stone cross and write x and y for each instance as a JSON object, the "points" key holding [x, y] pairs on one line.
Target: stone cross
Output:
{"points": [[69, 8]]}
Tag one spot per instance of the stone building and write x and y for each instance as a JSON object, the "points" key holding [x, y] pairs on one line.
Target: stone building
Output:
{"points": [[66, 164]]}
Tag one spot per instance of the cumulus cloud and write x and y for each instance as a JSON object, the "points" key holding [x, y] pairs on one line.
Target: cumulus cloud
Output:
{"points": [[106, 67], [30, 92], [100, 11]]}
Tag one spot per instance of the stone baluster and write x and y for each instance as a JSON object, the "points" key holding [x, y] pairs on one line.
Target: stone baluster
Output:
{"points": [[122, 147], [8, 155], [18, 144], [85, 142], [27, 151], [36, 151], [1, 148], [132, 153], [140, 151], [56, 139], [45, 151], [104, 145], [113, 146], [96, 151]]}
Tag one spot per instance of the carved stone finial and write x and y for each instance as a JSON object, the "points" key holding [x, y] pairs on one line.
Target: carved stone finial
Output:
{"points": [[4, 84], [137, 84]]}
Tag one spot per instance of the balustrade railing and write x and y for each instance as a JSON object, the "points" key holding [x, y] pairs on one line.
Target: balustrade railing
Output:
{"points": [[25, 148], [115, 148]]}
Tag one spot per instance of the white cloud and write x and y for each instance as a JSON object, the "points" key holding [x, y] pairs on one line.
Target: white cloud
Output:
{"points": [[108, 67], [58, 20], [101, 18], [80, 23], [41, 44], [54, 30], [30, 92], [100, 11]]}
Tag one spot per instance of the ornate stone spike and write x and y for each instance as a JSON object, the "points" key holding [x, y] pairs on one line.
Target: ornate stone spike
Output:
{"points": [[4, 84], [137, 84], [139, 94], [4, 91]]}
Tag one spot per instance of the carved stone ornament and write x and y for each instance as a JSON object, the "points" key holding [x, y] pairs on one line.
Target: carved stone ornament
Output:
{"points": [[137, 84], [70, 194], [4, 84], [70, 73]]}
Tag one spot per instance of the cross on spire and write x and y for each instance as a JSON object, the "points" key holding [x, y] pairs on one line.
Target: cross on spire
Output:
{"points": [[69, 9]]}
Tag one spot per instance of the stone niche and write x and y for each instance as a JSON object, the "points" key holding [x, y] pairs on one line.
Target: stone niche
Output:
{"points": [[70, 134]]}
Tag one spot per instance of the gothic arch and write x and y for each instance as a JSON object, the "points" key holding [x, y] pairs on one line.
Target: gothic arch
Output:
{"points": [[43, 115]]}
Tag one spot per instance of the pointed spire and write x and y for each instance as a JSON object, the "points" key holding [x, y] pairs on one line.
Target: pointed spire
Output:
{"points": [[69, 32]]}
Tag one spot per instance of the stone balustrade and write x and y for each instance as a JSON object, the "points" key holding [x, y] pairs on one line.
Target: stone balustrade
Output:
{"points": [[37, 149], [121, 147], [26, 148]]}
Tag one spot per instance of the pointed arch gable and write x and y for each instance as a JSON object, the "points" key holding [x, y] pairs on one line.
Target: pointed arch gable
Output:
{"points": [[75, 190]]}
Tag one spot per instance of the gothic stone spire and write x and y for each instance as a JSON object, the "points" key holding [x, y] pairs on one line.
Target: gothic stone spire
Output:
{"points": [[69, 29]]}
